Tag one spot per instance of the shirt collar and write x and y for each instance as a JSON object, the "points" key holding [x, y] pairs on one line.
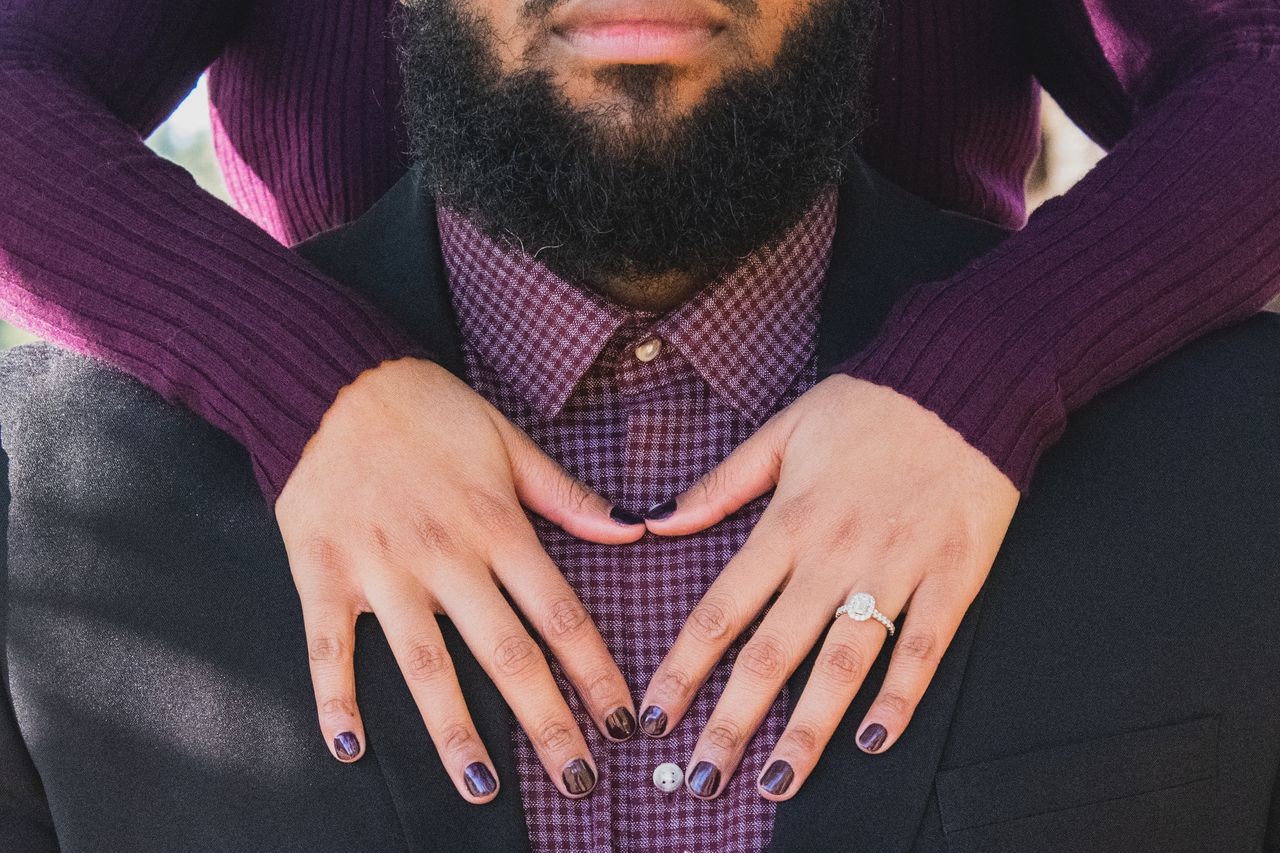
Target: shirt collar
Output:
{"points": [[748, 333]]}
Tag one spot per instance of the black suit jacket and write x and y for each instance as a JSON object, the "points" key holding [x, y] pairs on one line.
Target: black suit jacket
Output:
{"points": [[1114, 688]]}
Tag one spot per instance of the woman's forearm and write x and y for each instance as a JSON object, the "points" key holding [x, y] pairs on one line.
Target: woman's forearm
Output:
{"points": [[1175, 233], [109, 250]]}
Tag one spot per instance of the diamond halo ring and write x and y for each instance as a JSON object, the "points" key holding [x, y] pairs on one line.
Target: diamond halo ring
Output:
{"points": [[860, 607]]}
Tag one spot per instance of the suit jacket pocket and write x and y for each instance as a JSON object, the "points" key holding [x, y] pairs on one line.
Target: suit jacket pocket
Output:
{"points": [[1149, 790]]}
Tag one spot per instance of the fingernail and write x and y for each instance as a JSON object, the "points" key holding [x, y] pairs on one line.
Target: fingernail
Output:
{"points": [[653, 721], [479, 779], [704, 779], [626, 517], [578, 777], [347, 746], [777, 779], [621, 724], [657, 512], [872, 737]]}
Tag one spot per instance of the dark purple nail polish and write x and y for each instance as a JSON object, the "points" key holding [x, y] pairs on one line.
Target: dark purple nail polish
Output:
{"points": [[621, 724], [626, 517], [653, 721], [704, 780], [479, 780], [657, 512], [777, 779], [873, 737], [347, 746], [578, 777]]}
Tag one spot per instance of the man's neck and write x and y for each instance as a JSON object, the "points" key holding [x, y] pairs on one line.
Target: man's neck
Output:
{"points": [[655, 294]]}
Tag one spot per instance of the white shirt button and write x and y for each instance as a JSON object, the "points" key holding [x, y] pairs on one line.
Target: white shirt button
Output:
{"points": [[649, 350], [668, 777]]}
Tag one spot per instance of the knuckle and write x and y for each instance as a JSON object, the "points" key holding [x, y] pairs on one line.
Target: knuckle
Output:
{"points": [[954, 551], [326, 648], [712, 620], [565, 617], [674, 682], [337, 706], [601, 685], [918, 645], [795, 515], [381, 541], [492, 510], [724, 735], [765, 657], [427, 660], [895, 703], [845, 533], [432, 534], [326, 556], [554, 735], [896, 533], [802, 737], [515, 655], [456, 738], [842, 663]]}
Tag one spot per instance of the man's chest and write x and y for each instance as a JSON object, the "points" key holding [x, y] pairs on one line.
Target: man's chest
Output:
{"points": [[639, 428]]}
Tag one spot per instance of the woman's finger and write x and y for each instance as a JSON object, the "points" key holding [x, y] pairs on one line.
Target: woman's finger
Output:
{"points": [[929, 627], [408, 619], [519, 670], [847, 653], [548, 489], [762, 668], [748, 472], [550, 604], [330, 625], [729, 605]]}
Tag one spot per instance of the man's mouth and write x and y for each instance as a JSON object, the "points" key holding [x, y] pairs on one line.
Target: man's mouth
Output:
{"points": [[642, 32]]}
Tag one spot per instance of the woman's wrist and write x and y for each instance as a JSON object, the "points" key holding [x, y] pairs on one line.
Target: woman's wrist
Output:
{"points": [[1011, 417]]}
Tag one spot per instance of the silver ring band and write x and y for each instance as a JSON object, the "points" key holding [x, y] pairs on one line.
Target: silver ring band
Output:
{"points": [[860, 607]]}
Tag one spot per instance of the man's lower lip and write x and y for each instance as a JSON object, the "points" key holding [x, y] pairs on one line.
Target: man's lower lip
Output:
{"points": [[640, 42]]}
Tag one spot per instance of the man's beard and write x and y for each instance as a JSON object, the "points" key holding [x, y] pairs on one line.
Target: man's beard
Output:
{"points": [[600, 197]]}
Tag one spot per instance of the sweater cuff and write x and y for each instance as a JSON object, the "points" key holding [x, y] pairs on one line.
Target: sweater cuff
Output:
{"points": [[275, 443]]}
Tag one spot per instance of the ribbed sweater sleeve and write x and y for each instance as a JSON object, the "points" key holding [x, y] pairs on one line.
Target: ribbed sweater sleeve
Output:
{"points": [[1175, 233], [111, 251]]}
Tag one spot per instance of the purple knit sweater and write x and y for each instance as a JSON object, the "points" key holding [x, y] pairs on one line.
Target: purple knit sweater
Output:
{"points": [[109, 250]]}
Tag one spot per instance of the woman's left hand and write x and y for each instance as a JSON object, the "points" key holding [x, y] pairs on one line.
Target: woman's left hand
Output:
{"points": [[873, 493]]}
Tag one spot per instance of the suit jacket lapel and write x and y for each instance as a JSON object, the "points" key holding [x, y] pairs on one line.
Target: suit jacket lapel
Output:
{"points": [[886, 241]]}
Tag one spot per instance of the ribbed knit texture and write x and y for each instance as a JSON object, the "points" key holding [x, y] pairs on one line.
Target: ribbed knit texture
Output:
{"points": [[108, 250]]}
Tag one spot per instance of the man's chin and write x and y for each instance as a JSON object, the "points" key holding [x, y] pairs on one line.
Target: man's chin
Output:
{"points": [[652, 99], [634, 170]]}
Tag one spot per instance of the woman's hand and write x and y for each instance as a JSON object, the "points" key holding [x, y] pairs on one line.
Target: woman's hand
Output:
{"points": [[873, 494], [408, 503]]}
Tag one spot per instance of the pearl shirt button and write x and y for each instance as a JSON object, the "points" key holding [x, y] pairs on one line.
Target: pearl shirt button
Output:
{"points": [[668, 777], [649, 350]]}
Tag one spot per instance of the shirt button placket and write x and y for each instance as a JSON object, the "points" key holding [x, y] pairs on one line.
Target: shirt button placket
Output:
{"points": [[644, 373], [637, 375]]}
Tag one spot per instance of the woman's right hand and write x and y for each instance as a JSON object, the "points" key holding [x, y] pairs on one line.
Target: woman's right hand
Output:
{"points": [[407, 503]]}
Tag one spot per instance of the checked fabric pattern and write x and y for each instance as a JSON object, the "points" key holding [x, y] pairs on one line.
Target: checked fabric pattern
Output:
{"points": [[559, 362]]}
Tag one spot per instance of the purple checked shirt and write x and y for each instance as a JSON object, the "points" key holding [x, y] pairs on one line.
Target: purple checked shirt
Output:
{"points": [[579, 374]]}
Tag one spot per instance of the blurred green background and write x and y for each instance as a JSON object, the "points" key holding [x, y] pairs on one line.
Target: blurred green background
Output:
{"points": [[186, 140]]}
